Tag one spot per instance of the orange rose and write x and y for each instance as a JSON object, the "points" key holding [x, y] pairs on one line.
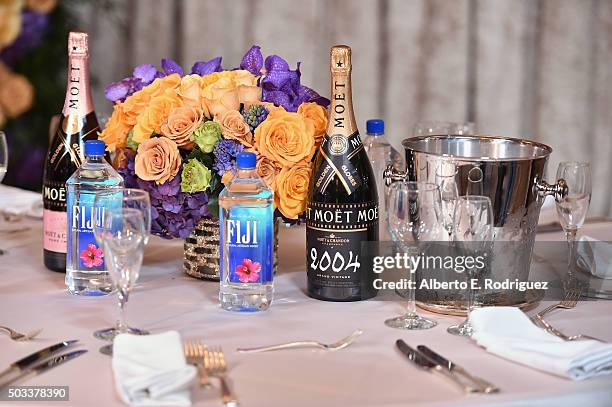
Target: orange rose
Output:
{"points": [[292, 189], [227, 177], [156, 113], [10, 21], [268, 171], [182, 122], [16, 95], [223, 91], [285, 138], [190, 90], [234, 127], [158, 159], [116, 131], [318, 116]]}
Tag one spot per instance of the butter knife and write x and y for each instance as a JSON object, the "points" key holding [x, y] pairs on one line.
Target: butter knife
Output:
{"points": [[435, 357], [44, 366], [24, 363], [424, 363]]}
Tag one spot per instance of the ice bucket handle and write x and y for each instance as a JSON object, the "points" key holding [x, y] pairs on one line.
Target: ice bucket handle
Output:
{"points": [[558, 190], [391, 175]]}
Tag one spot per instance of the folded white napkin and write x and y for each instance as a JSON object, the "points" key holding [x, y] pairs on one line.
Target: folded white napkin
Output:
{"points": [[151, 370], [508, 332], [595, 256], [20, 202]]}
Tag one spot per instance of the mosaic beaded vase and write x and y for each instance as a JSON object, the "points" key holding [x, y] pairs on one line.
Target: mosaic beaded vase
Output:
{"points": [[201, 257]]}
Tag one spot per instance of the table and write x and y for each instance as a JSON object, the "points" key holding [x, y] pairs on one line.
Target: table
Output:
{"points": [[368, 373]]}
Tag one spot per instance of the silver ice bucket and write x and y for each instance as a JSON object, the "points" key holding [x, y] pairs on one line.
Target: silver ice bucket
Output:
{"points": [[510, 172]]}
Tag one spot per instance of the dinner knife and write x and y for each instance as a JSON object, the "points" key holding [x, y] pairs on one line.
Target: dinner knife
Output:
{"points": [[44, 366], [422, 362], [35, 357], [435, 357]]}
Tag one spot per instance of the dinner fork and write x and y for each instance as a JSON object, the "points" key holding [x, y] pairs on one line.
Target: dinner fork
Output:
{"points": [[18, 336], [341, 344], [215, 365], [569, 301], [194, 352], [551, 329]]}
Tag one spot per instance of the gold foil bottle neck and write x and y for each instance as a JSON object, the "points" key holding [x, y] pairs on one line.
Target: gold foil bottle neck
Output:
{"points": [[77, 43], [340, 58]]}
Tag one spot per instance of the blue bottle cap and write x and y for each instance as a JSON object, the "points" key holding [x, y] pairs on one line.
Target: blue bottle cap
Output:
{"points": [[246, 161], [375, 126], [94, 147]]}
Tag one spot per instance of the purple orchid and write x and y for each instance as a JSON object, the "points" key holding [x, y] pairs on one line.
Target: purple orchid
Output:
{"points": [[34, 26], [280, 85], [207, 67], [145, 72], [170, 66], [252, 61]]}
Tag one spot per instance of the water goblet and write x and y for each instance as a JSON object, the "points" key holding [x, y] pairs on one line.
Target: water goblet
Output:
{"points": [[573, 208], [443, 128], [122, 237], [413, 218], [472, 235], [108, 202]]}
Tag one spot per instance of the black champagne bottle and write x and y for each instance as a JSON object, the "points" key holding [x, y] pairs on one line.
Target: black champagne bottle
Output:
{"points": [[78, 123], [342, 207]]}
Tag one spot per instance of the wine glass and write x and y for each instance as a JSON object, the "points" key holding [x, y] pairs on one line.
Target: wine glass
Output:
{"points": [[437, 128], [472, 234], [3, 155], [109, 202], [446, 181], [413, 218], [122, 237], [573, 208]]}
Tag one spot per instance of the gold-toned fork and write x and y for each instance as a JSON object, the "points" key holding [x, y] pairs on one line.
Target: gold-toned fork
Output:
{"points": [[569, 301], [18, 336], [194, 352], [215, 365], [551, 329]]}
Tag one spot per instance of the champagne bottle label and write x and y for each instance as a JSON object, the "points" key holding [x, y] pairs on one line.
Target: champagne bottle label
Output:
{"points": [[337, 152], [335, 233]]}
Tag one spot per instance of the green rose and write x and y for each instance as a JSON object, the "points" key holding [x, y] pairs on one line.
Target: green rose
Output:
{"points": [[207, 135], [195, 177]]}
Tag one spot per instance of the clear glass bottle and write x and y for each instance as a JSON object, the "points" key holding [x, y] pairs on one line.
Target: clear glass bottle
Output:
{"points": [[247, 238], [381, 153], [86, 272]]}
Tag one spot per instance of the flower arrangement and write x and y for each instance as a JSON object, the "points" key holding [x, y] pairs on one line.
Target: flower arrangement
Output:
{"points": [[22, 26], [177, 135]]}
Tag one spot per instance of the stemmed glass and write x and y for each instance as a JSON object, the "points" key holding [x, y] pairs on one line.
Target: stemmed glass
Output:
{"points": [[572, 209], [436, 128], [3, 162], [414, 211], [122, 237], [3, 155], [111, 203], [472, 233], [449, 193]]}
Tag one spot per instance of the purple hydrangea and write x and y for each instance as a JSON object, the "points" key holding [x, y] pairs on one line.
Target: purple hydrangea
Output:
{"points": [[280, 85], [174, 214], [225, 153]]}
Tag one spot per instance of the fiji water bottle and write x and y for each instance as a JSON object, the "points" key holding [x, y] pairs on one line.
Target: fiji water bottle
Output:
{"points": [[247, 237], [86, 272], [381, 153]]}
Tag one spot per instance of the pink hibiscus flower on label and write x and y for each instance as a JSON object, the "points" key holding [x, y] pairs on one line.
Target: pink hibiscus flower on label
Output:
{"points": [[248, 271], [92, 256]]}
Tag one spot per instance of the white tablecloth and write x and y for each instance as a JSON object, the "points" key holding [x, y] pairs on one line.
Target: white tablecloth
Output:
{"points": [[368, 373]]}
